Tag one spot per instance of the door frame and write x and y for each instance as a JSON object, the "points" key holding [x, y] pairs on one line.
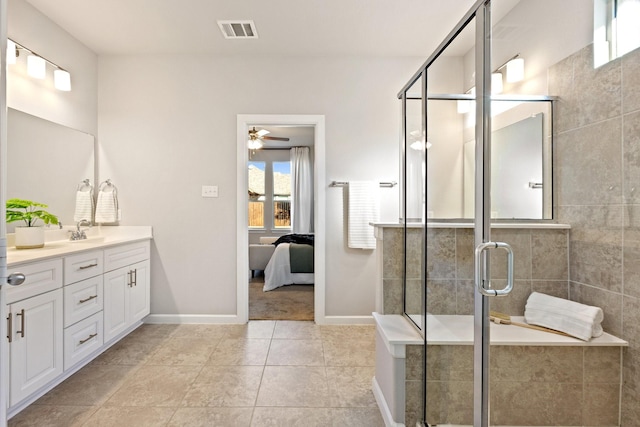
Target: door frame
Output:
{"points": [[244, 122]]}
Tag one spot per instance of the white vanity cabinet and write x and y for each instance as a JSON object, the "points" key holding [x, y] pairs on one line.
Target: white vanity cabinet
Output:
{"points": [[83, 303], [76, 301], [126, 287], [34, 329]]}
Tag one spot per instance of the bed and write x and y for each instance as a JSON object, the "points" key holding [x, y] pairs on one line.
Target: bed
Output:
{"points": [[291, 263]]}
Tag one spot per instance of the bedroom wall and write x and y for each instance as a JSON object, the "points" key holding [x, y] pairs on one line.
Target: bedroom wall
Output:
{"points": [[167, 126]]}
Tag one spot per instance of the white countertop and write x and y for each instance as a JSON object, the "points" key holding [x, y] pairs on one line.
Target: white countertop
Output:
{"points": [[458, 330], [513, 225], [57, 242]]}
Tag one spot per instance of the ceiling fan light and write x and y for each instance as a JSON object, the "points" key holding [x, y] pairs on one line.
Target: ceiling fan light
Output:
{"points": [[262, 132], [254, 144]]}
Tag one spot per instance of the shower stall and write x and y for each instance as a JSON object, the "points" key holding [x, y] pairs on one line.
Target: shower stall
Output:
{"points": [[480, 228]]}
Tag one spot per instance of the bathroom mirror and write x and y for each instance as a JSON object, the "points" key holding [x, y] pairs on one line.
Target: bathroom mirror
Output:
{"points": [[45, 163]]}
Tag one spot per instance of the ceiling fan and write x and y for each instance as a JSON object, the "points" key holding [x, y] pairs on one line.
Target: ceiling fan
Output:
{"points": [[256, 138]]}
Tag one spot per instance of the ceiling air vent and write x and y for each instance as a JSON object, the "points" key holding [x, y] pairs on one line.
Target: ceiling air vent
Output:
{"points": [[238, 29]]}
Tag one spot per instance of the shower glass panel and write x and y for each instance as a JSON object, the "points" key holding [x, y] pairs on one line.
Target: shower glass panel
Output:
{"points": [[487, 145], [448, 245]]}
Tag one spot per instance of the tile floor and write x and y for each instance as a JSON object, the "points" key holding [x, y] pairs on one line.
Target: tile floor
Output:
{"points": [[265, 373]]}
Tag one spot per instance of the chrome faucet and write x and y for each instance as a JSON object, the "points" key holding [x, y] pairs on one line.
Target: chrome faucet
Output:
{"points": [[79, 234]]}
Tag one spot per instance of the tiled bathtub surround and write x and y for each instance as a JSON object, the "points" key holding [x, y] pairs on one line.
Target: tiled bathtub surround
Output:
{"points": [[597, 180]]}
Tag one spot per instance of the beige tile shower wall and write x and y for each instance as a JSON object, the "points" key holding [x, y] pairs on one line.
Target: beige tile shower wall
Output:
{"points": [[543, 386], [541, 264], [597, 184]]}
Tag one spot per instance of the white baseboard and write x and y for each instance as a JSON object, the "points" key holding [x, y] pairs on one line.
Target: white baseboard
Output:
{"points": [[234, 319], [382, 405], [193, 318], [347, 320]]}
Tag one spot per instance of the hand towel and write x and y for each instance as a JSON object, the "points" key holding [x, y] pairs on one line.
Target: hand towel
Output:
{"points": [[364, 208], [84, 206], [107, 206], [579, 320]]}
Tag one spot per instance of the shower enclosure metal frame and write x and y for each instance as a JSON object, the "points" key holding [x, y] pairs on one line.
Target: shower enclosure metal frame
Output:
{"points": [[481, 12]]}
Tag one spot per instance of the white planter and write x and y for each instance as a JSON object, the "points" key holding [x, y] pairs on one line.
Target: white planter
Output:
{"points": [[29, 237]]}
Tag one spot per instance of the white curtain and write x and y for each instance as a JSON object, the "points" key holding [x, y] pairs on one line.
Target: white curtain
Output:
{"points": [[301, 191]]}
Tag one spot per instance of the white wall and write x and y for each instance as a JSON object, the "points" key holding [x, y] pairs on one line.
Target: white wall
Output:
{"points": [[167, 126], [77, 108]]}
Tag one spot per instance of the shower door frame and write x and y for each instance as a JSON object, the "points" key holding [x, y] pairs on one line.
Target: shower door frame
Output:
{"points": [[481, 12]]}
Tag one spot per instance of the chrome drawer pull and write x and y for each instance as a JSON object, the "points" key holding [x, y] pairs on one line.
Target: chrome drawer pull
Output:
{"points": [[87, 339], [9, 327], [135, 277], [84, 267], [87, 299], [130, 278], [21, 331]]}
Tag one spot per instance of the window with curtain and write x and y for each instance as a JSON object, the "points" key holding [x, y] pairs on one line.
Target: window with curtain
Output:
{"points": [[281, 194], [269, 194], [256, 194]]}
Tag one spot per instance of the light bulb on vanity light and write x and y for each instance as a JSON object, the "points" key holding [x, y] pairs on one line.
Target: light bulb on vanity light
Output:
{"points": [[515, 70], [62, 80], [11, 52], [496, 83], [36, 67]]}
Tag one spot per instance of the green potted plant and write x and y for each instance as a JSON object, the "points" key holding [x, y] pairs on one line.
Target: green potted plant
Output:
{"points": [[31, 235]]}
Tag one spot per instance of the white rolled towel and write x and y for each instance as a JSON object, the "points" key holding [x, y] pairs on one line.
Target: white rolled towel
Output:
{"points": [[578, 320]]}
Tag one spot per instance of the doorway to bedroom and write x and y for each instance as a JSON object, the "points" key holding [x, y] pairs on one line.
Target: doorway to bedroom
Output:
{"points": [[280, 222], [281, 160]]}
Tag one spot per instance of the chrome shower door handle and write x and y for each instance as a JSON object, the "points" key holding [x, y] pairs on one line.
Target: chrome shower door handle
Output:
{"points": [[479, 270]]}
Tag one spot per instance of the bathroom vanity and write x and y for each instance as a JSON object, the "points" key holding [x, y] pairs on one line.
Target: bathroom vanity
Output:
{"points": [[78, 299]]}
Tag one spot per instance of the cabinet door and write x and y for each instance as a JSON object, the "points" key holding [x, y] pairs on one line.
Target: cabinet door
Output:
{"points": [[36, 348], [139, 304], [116, 302]]}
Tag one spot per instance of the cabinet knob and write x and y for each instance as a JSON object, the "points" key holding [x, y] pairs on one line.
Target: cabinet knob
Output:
{"points": [[16, 279]]}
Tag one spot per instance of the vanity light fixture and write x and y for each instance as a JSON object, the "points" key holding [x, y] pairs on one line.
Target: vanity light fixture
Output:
{"points": [[515, 70], [37, 66], [62, 80], [12, 51], [496, 83]]}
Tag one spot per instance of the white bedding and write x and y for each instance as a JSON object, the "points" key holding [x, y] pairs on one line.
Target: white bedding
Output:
{"points": [[278, 271]]}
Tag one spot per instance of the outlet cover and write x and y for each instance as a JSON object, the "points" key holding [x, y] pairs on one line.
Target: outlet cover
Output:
{"points": [[209, 191]]}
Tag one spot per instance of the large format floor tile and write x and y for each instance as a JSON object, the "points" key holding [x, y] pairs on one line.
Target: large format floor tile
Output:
{"points": [[264, 373]]}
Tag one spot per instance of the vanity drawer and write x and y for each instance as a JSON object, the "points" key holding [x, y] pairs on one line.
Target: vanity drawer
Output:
{"points": [[40, 277], [82, 266], [82, 339], [82, 299], [124, 255]]}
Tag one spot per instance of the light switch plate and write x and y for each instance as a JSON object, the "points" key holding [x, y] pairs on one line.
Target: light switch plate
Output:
{"points": [[209, 191]]}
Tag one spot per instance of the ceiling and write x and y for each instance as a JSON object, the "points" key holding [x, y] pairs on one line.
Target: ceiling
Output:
{"points": [[285, 27]]}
